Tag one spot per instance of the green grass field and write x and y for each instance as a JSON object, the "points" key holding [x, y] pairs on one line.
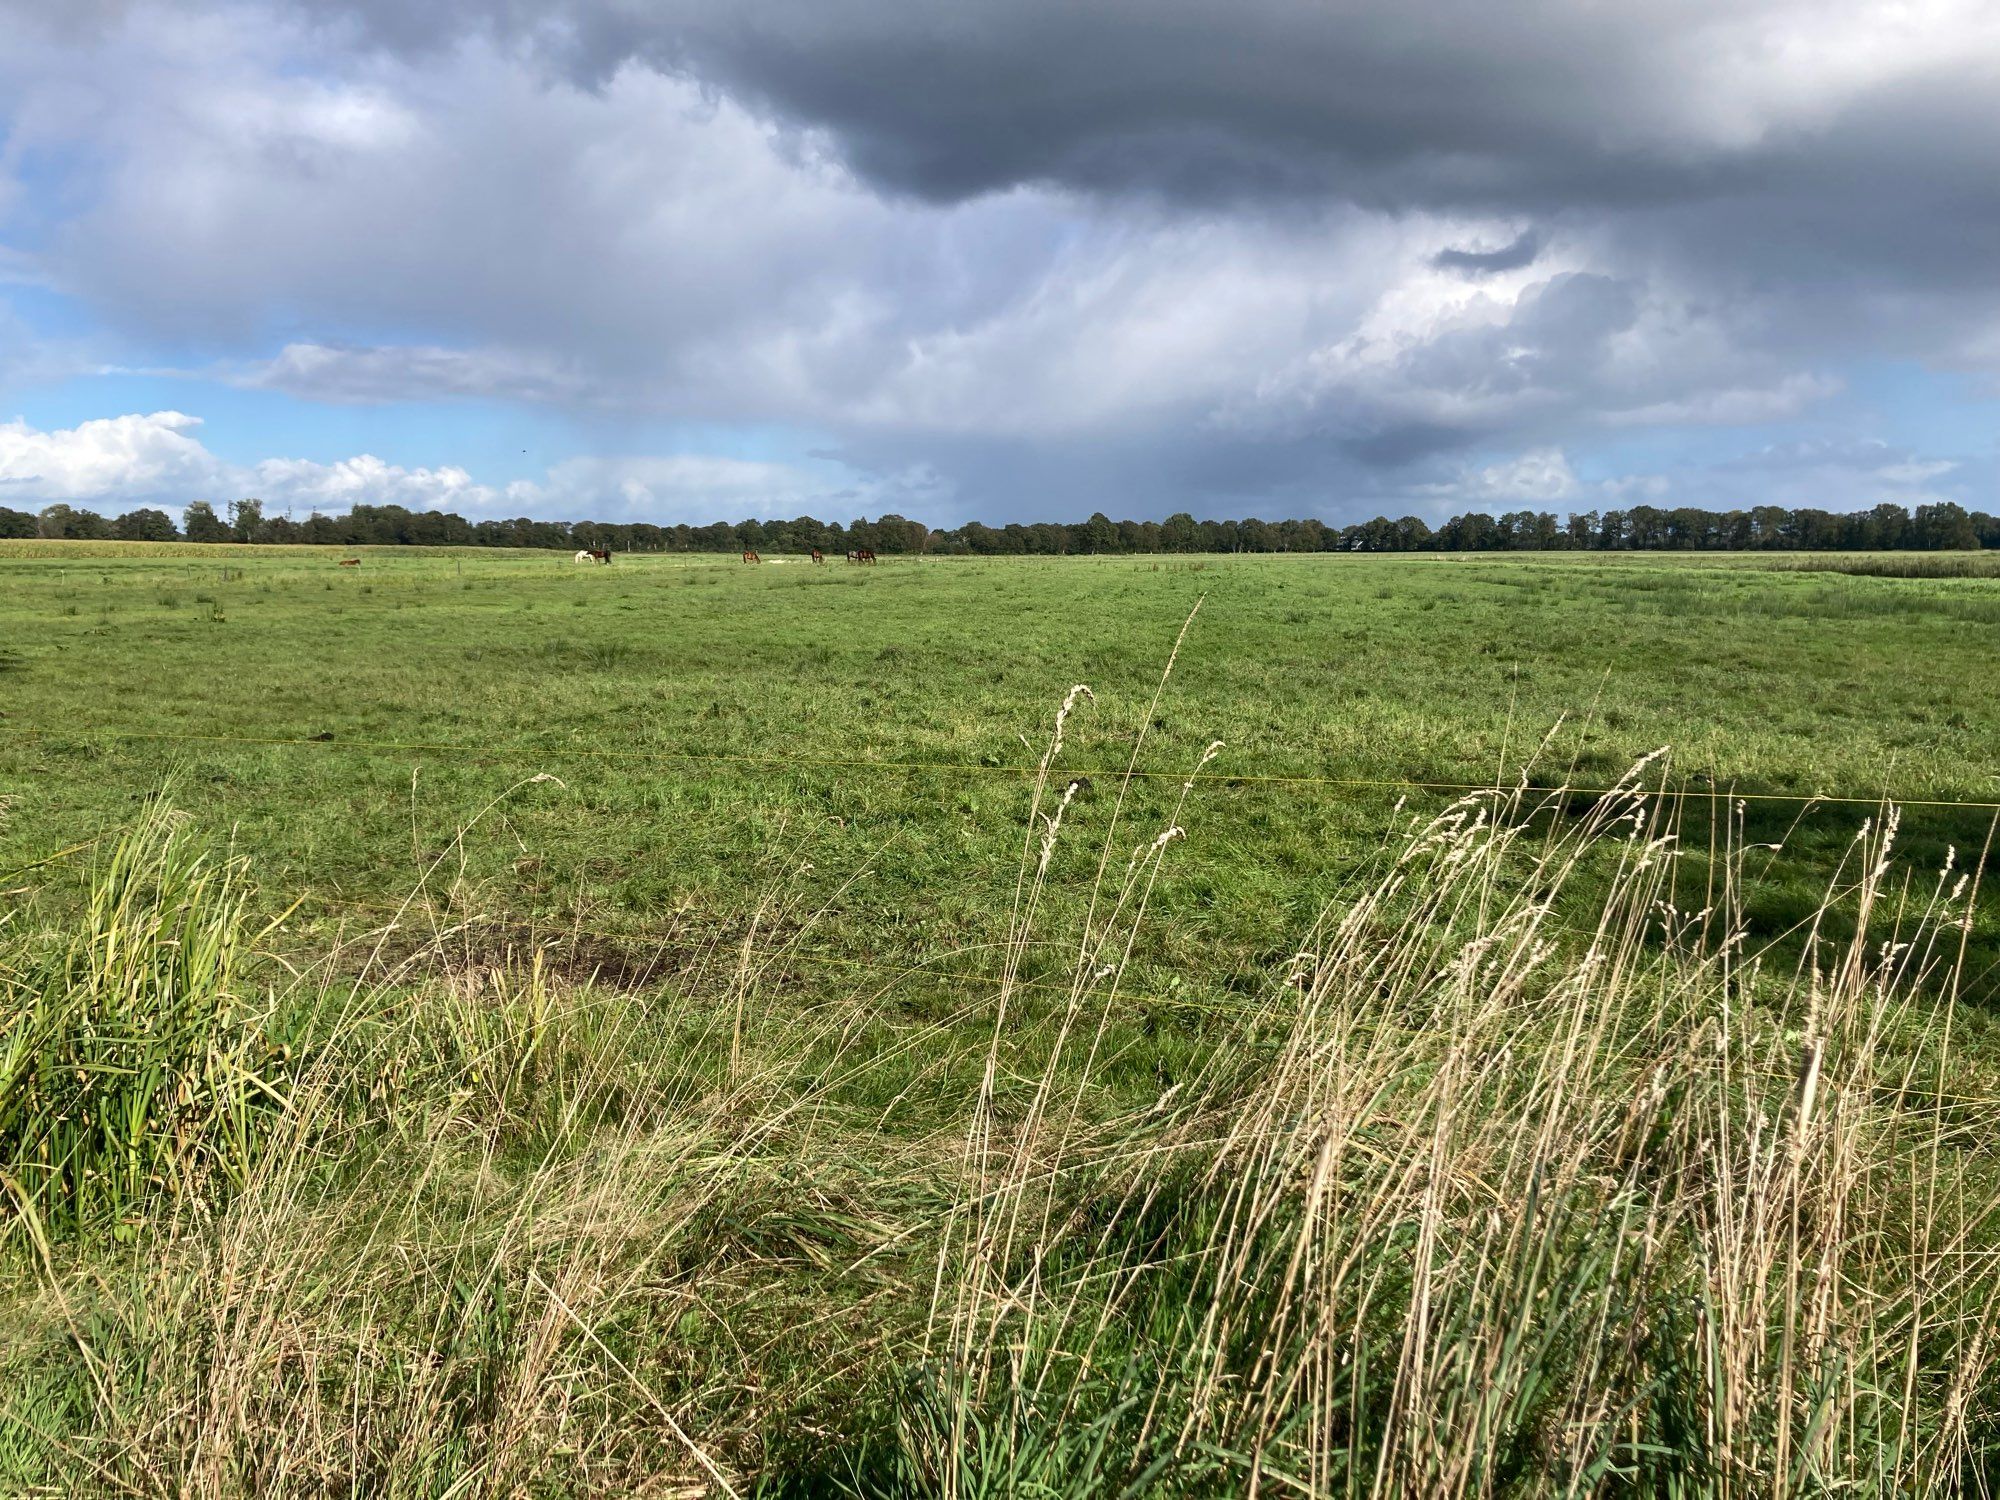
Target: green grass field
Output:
{"points": [[714, 1050], [711, 725]]}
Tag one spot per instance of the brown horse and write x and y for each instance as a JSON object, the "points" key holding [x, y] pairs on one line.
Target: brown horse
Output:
{"points": [[350, 562], [600, 555], [749, 556], [818, 556]]}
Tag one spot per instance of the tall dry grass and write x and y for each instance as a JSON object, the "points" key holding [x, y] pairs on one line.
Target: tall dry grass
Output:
{"points": [[1506, 1193], [1530, 1174], [508, 1233], [1894, 564]]}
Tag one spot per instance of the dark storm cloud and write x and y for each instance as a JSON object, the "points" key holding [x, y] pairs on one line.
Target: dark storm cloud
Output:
{"points": [[1459, 98], [1512, 257], [1396, 447], [1446, 101], [1818, 139]]}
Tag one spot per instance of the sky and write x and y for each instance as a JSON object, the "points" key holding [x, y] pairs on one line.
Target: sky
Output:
{"points": [[1004, 260]]}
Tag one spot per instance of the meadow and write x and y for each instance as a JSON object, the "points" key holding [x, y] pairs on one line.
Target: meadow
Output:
{"points": [[1424, 1025]]}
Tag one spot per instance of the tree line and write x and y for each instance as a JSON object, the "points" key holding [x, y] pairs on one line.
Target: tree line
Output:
{"points": [[1641, 528]]}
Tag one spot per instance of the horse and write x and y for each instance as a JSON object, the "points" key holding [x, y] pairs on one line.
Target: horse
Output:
{"points": [[593, 555], [861, 555], [818, 556], [586, 556], [749, 556], [350, 562]]}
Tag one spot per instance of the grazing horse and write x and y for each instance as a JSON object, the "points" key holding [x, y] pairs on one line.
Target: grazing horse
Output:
{"points": [[584, 557], [749, 556], [350, 562], [593, 555], [861, 555], [818, 556]]}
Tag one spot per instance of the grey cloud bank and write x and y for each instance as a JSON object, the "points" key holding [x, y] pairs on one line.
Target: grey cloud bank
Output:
{"points": [[1252, 256]]}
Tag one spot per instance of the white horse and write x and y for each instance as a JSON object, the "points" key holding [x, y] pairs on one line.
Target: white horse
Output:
{"points": [[585, 557]]}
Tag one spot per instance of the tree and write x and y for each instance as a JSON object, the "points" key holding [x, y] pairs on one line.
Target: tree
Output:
{"points": [[201, 524], [325, 531], [1046, 539], [1100, 533], [1647, 525], [981, 540], [1945, 525], [63, 521], [1770, 526], [1178, 533], [1687, 529], [1301, 536], [245, 516], [892, 533], [1887, 526], [16, 523], [1475, 531], [145, 525], [1517, 530]]}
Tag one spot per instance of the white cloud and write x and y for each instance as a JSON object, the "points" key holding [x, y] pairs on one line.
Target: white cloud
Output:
{"points": [[1824, 475], [680, 487], [1732, 405], [1850, 475], [292, 483], [1541, 478], [117, 463], [134, 457]]}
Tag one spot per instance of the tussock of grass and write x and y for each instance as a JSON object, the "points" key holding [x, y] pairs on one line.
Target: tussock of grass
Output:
{"points": [[134, 1062]]}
